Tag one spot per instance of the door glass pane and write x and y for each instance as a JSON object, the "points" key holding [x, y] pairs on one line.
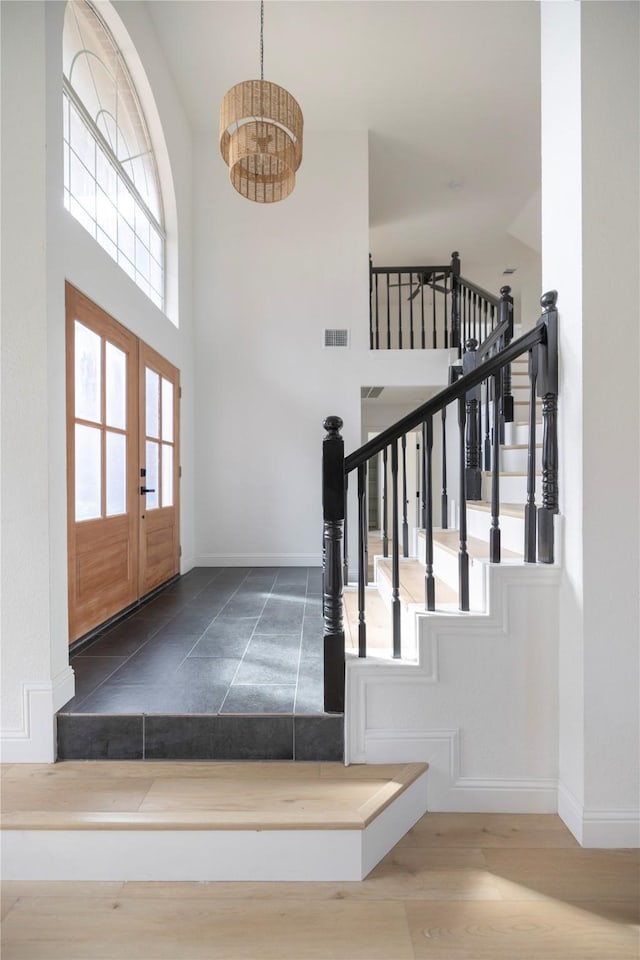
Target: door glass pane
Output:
{"points": [[167, 475], [152, 384], [151, 480], [116, 386], [116, 473], [167, 410], [87, 373], [88, 472]]}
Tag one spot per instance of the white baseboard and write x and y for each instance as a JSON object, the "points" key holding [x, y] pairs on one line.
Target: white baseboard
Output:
{"points": [[258, 560], [34, 741], [611, 829]]}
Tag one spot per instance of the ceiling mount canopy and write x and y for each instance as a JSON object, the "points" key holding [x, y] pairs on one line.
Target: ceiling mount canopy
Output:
{"points": [[261, 136]]}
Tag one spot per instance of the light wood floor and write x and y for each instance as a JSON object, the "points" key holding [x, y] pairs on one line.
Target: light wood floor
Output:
{"points": [[457, 887]]}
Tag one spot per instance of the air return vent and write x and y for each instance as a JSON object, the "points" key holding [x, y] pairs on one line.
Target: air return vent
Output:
{"points": [[370, 393], [336, 338]]}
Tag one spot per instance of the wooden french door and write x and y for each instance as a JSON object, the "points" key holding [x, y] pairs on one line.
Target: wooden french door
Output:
{"points": [[122, 466], [159, 389]]}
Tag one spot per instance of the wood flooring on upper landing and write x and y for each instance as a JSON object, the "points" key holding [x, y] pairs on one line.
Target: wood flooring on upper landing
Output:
{"points": [[457, 887]]}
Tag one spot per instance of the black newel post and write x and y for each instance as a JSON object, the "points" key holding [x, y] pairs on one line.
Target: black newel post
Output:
{"points": [[547, 389], [333, 497], [455, 300], [473, 448]]}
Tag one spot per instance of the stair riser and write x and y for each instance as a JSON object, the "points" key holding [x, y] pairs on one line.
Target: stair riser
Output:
{"points": [[519, 432], [512, 489], [516, 461], [511, 529]]}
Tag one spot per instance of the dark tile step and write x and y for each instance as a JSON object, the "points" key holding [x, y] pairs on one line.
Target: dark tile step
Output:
{"points": [[190, 737]]}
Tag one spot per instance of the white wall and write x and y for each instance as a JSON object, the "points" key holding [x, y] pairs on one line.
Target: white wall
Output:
{"points": [[269, 279], [26, 650], [42, 246], [591, 254]]}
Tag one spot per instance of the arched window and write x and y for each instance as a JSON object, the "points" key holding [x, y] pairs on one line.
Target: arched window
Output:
{"points": [[111, 181]]}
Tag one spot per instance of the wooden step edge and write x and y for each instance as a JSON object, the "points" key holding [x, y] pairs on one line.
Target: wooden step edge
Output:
{"points": [[518, 446], [390, 791], [515, 510], [510, 473], [358, 818]]}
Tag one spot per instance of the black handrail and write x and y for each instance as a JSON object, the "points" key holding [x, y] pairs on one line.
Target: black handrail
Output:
{"points": [[540, 344], [446, 396]]}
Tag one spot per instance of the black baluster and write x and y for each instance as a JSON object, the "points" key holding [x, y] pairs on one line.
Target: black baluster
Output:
{"points": [[505, 309], [395, 563], [465, 315], [444, 499], [494, 533], [345, 565], [429, 580], [473, 453], [377, 316], [422, 327], [333, 500], [456, 338], [399, 312], [365, 524], [446, 319], [362, 573], [487, 434], [548, 389], [463, 556], [388, 313], [371, 341], [405, 519], [411, 311], [530, 508], [423, 485], [433, 309], [385, 528]]}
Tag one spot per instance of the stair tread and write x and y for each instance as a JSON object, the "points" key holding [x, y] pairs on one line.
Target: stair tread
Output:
{"points": [[131, 795], [510, 473], [518, 446], [412, 582], [506, 509]]}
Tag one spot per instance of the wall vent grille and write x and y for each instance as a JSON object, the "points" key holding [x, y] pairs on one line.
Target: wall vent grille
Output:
{"points": [[336, 338], [370, 393]]}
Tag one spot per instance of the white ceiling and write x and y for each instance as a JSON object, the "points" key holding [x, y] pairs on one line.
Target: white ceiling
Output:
{"points": [[449, 92]]}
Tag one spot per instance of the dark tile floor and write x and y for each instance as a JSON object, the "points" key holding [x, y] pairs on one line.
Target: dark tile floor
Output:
{"points": [[223, 664]]}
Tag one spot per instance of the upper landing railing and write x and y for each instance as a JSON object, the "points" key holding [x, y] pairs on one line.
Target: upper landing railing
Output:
{"points": [[483, 364], [428, 307]]}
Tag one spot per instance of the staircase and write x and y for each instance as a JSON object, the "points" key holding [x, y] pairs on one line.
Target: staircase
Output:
{"points": [[451, 644]]}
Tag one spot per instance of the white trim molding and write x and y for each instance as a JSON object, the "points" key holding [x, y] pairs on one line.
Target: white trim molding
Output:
{"points": [[34, 741], [447, 790], [490, 748], [612, 829]]}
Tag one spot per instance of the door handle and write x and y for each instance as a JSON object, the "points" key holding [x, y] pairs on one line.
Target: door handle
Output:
{"points": [[144, 490]]}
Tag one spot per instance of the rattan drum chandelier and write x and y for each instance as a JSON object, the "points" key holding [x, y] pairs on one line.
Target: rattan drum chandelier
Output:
{"points": [[261, 136]]}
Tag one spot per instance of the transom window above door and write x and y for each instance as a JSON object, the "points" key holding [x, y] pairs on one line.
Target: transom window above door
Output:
{"points": [[111, 183]]}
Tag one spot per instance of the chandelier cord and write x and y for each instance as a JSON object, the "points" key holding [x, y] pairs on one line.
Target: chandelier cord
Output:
{"points": [[261, 39]]}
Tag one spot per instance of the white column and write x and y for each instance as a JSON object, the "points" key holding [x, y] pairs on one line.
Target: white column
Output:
{"points": [[590, 253]]}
